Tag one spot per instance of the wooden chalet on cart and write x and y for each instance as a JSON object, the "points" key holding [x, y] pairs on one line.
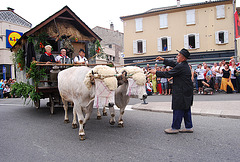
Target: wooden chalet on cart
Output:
{"points": [[64, 29]]}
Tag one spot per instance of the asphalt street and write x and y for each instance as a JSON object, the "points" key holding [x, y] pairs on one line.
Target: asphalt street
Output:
{"points": [[28, 134]]}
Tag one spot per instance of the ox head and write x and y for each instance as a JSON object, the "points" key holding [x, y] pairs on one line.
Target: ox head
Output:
{"points": [[132, 85], [122, 78]]}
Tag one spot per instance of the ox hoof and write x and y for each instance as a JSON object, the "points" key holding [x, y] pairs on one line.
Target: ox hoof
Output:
{"points": [[105, 114], [99, 117], [112, 122], [74, 126], [66, 121], [82, 137], [120, 125]]}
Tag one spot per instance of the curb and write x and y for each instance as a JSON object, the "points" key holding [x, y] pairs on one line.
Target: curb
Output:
{"points": [[233, 114]]}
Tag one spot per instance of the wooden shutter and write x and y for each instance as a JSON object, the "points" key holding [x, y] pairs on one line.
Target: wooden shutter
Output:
{"points": [[220, 11], [186, 44], [197, 41], [190, 15], [225, 36], [217, 37], [169, 43], [139, 23], [163, 20], [134, 47], [144, 46], [159, 43]]}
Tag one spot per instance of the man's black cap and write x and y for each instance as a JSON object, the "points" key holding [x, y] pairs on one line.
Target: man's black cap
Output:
{"points": [[184, 52], [82, 50]]}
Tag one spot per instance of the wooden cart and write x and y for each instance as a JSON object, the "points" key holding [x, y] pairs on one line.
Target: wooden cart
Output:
{"points": [[50, 88]]}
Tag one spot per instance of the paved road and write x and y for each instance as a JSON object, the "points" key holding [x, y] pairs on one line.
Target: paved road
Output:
{"points": [[27, 134]]}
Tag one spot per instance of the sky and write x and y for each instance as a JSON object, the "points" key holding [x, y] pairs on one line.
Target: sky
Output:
{"points": [[91, 12]]}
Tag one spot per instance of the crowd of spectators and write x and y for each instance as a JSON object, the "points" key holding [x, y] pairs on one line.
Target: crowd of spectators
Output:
{"points": [[156, 85], [5, 88], [207, 78]]}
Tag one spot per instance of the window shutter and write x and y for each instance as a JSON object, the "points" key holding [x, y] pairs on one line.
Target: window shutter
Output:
{"points": [[144, 46], [190, 15], [163, 20], [139, 24], [134, 47], [197, 41], [226, 36], [159, 43], [186, 41], [169, 43], [217, 37], [220, 11]]}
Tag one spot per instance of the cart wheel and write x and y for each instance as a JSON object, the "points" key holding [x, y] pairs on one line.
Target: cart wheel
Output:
{"points": [[37, 104], [51, 104]]}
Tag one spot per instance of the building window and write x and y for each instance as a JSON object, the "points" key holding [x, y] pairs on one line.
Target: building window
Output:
{"points": [[164, 44], [139, 46], [191, 41], [221, 37], [163, 20], [190, 15], [220, 11], [110, 45], [139, 24]]}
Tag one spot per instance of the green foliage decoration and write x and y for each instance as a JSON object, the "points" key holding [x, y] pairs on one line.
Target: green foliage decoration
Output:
{"points": [[25, 91], [20, 59], [35, 73]]}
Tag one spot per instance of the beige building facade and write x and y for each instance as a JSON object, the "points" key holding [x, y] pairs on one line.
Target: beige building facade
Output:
{"points": [[206, 29]]}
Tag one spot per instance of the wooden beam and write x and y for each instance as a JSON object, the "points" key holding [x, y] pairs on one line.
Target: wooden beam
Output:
{"points": [[65, 18]]}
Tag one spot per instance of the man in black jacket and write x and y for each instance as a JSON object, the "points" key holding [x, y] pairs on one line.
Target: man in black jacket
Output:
{"points": [[182, 95]]}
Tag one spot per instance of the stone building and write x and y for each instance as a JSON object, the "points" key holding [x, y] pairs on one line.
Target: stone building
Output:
{"points": [[112, 43]]}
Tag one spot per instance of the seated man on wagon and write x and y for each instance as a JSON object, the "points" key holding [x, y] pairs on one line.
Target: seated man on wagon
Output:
{"points": [[63, 58], [81, 59]]}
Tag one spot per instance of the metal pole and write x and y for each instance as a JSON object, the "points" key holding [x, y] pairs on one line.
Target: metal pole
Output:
{"points": [[235, 41]]}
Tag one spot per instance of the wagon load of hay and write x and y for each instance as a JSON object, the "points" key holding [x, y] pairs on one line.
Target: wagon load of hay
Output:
{"points": [[106, 83], [136, 78]]}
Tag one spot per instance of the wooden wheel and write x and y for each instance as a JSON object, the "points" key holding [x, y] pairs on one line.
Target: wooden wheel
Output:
{"points": [[37, 104], [51, 104]]}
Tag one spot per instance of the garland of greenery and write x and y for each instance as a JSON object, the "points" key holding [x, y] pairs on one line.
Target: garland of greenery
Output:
{"points": [[40, 41], [25, 90], [35, 73], [20, 59]]}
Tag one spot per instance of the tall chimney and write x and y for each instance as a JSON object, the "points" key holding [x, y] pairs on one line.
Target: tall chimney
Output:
{"points": [[10, 9], [111, 26], [178, 3]]}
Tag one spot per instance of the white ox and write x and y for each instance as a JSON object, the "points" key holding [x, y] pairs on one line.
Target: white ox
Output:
{"points": [[131, 84], [73, 87]]}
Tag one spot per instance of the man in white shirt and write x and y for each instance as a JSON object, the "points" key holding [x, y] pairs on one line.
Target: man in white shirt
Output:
{"points": [[63, 58], [81, 59]]}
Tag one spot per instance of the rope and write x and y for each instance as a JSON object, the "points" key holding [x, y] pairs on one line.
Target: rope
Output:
{"points": [[93, 56], [136, 63]]}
